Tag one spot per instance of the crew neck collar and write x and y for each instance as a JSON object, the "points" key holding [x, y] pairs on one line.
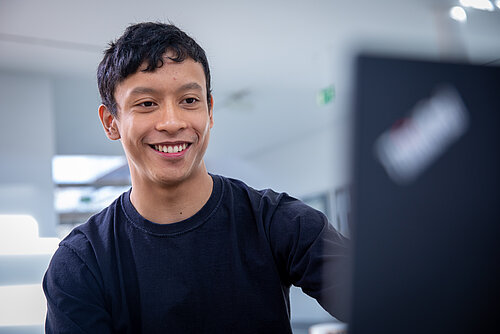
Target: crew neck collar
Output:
{"points": [[182, 226]]}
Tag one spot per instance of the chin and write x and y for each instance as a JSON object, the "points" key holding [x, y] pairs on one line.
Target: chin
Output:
{"points": [[169, 179]]}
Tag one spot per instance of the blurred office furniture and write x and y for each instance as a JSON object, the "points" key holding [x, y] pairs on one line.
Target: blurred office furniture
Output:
{"points": [[24, 257]]}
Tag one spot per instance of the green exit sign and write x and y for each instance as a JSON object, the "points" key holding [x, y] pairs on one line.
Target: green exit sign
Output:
{"points": [[325, 96]]}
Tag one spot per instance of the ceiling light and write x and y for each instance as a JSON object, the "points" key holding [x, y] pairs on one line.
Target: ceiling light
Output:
{"points": [[478, 4], [458, 14], [497, 3]]}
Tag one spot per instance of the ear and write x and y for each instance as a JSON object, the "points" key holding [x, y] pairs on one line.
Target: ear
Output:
{"points": [[109, 123], [211, 111]]}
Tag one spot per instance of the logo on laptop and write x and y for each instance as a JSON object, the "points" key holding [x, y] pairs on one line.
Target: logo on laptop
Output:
{"points": [[412, 144]]}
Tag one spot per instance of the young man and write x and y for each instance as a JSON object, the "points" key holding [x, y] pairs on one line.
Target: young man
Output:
{"points": [[183, 251]]}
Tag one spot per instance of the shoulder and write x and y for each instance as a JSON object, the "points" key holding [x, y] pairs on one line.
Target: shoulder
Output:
{"points": [[88, 240], [276, 208], [83, 253], [295, 219], [237, 188], [73, 269]]}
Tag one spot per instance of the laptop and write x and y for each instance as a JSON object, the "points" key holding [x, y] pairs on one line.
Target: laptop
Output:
{"points": [[425, 197]]}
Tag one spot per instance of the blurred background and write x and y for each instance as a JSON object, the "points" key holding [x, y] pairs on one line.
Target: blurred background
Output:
{"points": [[282, 76]]}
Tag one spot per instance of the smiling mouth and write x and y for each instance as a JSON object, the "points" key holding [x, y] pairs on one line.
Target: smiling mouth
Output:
{"points": [[170, 148]]}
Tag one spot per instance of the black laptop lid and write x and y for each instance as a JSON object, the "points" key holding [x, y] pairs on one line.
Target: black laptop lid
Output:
{"points": [[426, 211]]}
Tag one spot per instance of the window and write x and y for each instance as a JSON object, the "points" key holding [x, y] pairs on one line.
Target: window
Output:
{"points": [[85, 185]]}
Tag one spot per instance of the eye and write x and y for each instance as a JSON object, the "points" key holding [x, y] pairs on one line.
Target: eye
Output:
{"points": [[190, 100], [147, 104]]}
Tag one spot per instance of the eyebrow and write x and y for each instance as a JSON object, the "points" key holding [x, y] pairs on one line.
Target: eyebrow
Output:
{"points": [[143, 90], [149, 90], [190, 86]]}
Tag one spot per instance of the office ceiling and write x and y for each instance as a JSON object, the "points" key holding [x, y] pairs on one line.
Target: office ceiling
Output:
{"points": [[268, 58]]}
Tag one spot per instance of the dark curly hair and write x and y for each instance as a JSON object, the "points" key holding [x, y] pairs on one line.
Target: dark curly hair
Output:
{"points": [[145, 42]]}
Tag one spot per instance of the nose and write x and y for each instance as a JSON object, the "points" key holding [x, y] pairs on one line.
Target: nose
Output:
{"points": [[170, 120]]}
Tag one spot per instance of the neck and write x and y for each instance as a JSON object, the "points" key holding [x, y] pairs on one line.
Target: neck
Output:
{"points": [[170, 203]]}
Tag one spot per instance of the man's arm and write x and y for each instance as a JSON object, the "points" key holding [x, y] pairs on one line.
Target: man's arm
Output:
{"points": [[75, 300], [312, 255]]}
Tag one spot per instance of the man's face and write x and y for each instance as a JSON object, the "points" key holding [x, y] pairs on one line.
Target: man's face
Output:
{"points": [[163, 122]]}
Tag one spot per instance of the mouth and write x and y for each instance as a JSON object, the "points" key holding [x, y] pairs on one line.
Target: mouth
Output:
{"points": [[170, 148]]}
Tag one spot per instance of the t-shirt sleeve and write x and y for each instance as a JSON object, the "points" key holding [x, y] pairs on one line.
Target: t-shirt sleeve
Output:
{"points": [[312, 255], [75, 300]]}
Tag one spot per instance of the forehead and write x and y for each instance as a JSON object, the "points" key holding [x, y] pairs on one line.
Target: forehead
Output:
{"points": [[168, 76]]}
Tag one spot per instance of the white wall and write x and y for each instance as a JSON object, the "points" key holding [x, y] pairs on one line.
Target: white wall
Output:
{"points": [[77, 126], [26, 149], [312, 163]]}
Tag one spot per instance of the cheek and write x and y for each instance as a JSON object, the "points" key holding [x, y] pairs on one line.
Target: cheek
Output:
{"points": [[204, 131], [134, 129], [205, 125]]}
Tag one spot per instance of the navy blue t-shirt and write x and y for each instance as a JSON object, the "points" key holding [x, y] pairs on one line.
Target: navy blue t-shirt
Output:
{"points": [[227, 269]]}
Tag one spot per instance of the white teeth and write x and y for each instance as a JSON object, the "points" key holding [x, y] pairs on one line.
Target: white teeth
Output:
{"points": [[171, 149]]}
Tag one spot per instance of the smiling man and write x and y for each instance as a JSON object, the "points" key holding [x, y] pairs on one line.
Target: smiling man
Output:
{"points": [[183, 251], [163, 118]]}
